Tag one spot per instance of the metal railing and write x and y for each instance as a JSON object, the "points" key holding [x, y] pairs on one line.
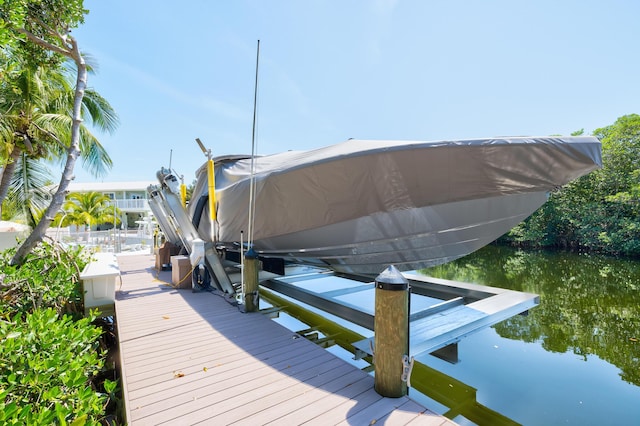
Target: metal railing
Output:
{"points": [[133, 204], [113, 240]]}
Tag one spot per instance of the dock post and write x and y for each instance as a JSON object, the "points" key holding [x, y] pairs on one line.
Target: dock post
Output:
{"points": [[391, 327], [251, 281]]}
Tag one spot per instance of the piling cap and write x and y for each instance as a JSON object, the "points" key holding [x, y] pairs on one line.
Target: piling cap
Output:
{"points": [[250, 254], [391, 279]]}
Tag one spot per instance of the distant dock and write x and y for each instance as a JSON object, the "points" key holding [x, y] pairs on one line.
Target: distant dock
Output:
{"points": [[190, 358]]}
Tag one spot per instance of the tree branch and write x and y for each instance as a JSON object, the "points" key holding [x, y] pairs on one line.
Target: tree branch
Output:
{"points": [[52, 31], [43, 43], [51, 135]]}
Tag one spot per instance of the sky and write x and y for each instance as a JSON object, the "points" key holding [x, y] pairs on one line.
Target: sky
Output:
{"points": [[338, 69]]}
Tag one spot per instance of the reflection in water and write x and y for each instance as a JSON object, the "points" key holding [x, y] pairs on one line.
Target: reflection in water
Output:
{"points": [[524, 370], [590, 305]]}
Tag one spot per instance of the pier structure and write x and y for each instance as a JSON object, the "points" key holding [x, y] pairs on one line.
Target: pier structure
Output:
{"points": [[189, 358]]}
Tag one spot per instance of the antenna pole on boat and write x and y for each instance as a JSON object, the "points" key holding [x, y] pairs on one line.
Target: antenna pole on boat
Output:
{"points": [[251, 263], [242, 263], [252, 204]]}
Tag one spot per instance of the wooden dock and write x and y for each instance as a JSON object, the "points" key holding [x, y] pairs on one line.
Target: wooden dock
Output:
{"points": [[192, 358]]}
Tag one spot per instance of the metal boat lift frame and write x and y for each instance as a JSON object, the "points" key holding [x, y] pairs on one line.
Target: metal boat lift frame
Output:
{"points": [[459, 309], [174, 222], [436, 329]]}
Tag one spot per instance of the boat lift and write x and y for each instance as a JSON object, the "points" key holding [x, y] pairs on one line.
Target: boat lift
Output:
{"points": [[448, 311], [444, 313], [165, 203]]}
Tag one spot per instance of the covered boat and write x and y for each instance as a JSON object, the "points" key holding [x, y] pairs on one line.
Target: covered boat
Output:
{"points": [[361, 205]]}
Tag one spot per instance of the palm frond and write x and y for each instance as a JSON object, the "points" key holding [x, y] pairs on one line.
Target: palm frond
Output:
{"points": [[28, 188], [92, 63], [35, 114], [102, 114], [95, 158]]}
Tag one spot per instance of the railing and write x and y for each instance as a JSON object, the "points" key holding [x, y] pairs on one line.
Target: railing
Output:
{"points": [[133, 204], [113, 241]]}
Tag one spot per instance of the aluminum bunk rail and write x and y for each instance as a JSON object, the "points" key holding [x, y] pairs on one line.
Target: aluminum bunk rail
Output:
{"points": [[175, 222], [155, 203]]}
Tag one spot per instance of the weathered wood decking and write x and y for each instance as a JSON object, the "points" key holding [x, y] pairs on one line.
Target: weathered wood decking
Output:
{"points": [[190, 358]]}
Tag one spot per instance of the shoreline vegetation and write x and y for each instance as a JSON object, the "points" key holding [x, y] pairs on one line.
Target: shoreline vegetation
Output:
{"points": [[598, 213], [56, 366]]}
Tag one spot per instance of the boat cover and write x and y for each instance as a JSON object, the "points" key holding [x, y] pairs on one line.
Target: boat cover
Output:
{"points": [[301, 190]]}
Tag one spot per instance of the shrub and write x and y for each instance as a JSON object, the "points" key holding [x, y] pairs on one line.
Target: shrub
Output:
{"points": [[49, 362], [46, 366], [49, 278]]}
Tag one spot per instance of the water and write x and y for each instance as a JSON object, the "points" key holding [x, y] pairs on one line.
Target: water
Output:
{"points": [[575, 359]]}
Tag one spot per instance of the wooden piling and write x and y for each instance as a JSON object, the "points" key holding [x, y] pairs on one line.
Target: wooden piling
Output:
{"points": [[391, 327], [251, 281]]}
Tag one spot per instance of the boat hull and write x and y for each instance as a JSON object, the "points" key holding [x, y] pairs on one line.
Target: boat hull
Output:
{"points": [[409, 239]]}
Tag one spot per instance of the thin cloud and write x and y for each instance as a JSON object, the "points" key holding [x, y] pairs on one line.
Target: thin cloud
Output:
{"points": [[382, 12], [384, 7], [157, 85]]}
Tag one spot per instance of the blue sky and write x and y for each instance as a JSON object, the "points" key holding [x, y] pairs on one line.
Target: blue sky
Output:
{"points": [[367, 69]]}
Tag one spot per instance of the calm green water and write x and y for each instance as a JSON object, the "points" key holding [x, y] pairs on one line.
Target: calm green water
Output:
{"points": [[575, 359]]}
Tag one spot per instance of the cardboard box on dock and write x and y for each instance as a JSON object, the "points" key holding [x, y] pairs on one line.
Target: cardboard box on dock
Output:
{"points": [[181, 271]]}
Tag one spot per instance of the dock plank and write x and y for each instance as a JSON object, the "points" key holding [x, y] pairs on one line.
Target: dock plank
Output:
{"points": [[302, 402], [189, 358], [233, 383], [350, 389]]}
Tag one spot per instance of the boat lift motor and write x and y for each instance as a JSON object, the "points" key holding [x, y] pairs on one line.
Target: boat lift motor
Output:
{"points": [[200, 279]]}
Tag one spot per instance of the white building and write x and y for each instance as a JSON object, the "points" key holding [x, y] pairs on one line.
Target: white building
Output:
{"points": [[129, 197]]}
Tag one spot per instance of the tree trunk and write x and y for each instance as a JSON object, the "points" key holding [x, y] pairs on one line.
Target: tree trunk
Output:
{"points": [[7, 174], [72, 155]]}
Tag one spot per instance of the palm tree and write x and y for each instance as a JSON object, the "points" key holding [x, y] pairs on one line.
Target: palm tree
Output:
{"points": [[88, 209], [36, 120], [41, 32], [29, 190], [26, 94]]}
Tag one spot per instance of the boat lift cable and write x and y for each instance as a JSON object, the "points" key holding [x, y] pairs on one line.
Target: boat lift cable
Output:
{"points": [[252, 203]]}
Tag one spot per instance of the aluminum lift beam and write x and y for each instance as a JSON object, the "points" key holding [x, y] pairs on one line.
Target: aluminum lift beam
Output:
{"points": [[454, 309], [155, 203], [178, 223]]}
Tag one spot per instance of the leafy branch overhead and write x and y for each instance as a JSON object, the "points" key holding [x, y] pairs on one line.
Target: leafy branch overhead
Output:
{"points": [[47, 24]]}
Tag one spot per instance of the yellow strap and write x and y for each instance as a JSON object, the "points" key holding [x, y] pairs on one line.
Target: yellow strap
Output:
{"points": [[212, 191], [183, 194]]}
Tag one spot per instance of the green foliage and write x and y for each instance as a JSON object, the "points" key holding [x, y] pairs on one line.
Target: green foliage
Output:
{"points": [[50, 278], [39, 33], [36, 102], [46, 363], [47, 20], [589, 304], [599, 212], [90, 208], [28, 189], [51, 367]]}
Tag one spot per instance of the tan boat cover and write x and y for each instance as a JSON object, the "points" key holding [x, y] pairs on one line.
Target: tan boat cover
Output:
{"points": [[302, 190]]}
